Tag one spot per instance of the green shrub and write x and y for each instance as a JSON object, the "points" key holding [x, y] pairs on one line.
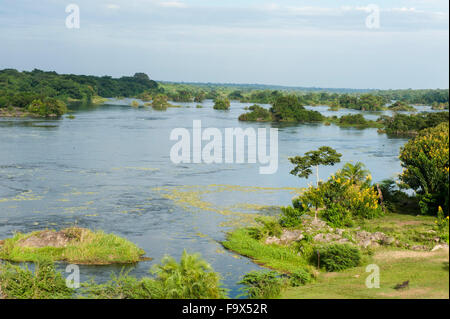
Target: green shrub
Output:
{"points": [[299, 278], [45, 283], [291, 216], [257, 114], [262, 285], [48, 107], [123, 286], [337, 257], [221, 104], [191, 278], [337, 216], [269, 227], [353, 119]]}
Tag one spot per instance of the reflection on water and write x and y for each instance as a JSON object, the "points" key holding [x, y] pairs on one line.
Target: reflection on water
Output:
{"points": [[109, 168]]}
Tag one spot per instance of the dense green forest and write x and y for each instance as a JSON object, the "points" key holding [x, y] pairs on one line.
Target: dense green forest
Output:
{"points": [[29, 89], [40, 93]]}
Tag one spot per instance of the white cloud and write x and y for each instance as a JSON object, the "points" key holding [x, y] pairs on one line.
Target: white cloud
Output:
{"points": [[172, 4], [112, 6]]}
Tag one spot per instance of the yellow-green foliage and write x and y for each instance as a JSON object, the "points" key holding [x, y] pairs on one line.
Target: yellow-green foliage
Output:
{"points": [[135, 103], [160, 102], [86, 247], [346, 197], [425, 160]]}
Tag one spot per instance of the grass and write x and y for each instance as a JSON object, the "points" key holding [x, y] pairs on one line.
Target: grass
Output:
{"points": [[427, 272], [85, 247], [283, 259]]}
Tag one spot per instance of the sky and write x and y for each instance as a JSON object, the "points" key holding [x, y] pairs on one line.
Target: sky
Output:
{"points": [[316, 43]]}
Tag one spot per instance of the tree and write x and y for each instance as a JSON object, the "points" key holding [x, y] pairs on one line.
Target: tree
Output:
{"points": [[425, 160], [221, 104], [355, 173], [325, 155]]}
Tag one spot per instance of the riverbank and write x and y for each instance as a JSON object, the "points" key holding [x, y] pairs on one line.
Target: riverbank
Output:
{"points": [[15, 112], [404, 247]]}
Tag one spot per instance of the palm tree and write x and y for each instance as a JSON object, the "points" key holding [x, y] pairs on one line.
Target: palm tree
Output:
{"points": [[355, 173]]}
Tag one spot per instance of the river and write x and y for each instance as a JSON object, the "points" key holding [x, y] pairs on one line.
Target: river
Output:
{"points": [[110, 169]]}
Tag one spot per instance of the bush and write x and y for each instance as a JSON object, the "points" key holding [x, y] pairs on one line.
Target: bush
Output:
{"points": [[191, 278], [45, 283], [337, 257], [353, 119], [49, 107], [257, 114], [160, 102], [123, 286], [291, 216], [299, 278], [262, 285], [221, 104], [269, 227], [337, 216]]}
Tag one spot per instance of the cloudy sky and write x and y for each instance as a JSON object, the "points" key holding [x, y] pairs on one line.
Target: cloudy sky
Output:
{"points": [[321, 43]]}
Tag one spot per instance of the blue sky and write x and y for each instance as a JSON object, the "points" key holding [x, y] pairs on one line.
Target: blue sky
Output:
{"points": [[298, 43]]}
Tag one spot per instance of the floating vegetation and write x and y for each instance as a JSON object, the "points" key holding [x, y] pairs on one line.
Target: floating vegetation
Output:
{"points": [[24, 196], [192, 198], [150, 169]]}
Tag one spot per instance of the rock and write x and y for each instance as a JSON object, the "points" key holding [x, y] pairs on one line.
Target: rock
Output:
{"points": [[437, 239], [326, 238], [366, 243], [419, 247], [272, 240], [48, 238], [339, 231], [437, 247], [388, 240], [289, 236]]}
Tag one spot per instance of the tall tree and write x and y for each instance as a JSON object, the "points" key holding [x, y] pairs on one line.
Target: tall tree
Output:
{"points": [[325, 155]]}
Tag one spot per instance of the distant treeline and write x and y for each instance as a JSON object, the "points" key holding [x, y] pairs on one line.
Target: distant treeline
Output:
{"points": [[357, 99], [19, 89]]}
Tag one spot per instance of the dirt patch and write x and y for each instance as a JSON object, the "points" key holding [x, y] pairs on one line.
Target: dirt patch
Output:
{"points": [[50, 238], [401, 254], [2, 242], [410, 222]]}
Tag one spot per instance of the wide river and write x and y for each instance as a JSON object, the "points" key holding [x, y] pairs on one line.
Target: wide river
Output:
{"points": [[110, 169]]}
